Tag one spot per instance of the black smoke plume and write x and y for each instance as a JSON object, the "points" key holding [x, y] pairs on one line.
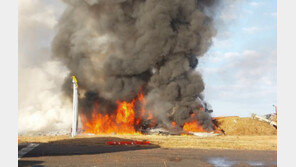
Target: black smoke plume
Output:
{"points": [[117, 47]]}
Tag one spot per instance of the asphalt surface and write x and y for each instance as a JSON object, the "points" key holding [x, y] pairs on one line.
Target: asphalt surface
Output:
{"points": [[142, 156]]}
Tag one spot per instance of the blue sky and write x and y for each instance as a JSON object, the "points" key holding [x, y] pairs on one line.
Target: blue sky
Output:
{"points": [[239, 70]]}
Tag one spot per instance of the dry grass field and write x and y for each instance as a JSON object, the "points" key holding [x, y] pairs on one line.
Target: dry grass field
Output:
{"points": [[216, 142], [240, 134]]}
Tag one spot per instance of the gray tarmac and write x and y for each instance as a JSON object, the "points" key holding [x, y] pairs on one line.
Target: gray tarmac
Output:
{"points": [[141, 156]]}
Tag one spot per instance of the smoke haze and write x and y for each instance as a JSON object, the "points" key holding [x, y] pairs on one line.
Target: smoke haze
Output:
{"points": [[41, 104]]}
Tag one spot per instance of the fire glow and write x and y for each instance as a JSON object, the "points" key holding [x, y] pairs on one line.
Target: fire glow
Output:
{"points": [[126, 118], [121, 122]]}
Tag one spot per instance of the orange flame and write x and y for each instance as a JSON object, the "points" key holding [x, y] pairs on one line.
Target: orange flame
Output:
{"points": [[121, 123], [174, 124], [193, 127], [123, 120]]}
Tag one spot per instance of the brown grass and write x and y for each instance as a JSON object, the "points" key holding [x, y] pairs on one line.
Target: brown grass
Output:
{"points": [[241, 134], [217, 142]]}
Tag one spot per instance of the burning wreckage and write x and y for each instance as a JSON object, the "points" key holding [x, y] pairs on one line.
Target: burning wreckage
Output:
{"points": [[126, 120], [136, 64]]}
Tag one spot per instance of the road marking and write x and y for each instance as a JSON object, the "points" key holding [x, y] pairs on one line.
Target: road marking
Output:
{"points": [[27, 149]]}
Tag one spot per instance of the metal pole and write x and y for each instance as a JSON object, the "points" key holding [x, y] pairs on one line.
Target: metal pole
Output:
{"points": [[75, 106], [275, 109]]}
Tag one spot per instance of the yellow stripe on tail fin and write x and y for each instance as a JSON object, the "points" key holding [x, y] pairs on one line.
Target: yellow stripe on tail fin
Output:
{"points": [[75, 80]]}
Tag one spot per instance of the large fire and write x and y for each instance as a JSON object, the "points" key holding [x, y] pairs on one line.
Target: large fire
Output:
{"points": [[193, 126], [125, 119], [122, 121]]}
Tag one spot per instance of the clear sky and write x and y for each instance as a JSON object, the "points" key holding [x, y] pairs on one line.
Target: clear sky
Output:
{"points": [[239, 70]]}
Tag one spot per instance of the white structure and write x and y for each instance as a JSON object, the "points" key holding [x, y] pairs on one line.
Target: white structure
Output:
{"points": [[75, 106]]}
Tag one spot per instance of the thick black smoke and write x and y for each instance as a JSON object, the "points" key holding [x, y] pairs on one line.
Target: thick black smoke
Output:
{"points": [[116, 47]]}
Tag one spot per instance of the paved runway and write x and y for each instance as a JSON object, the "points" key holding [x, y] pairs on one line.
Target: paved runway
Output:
{"points": [[142, 156]]}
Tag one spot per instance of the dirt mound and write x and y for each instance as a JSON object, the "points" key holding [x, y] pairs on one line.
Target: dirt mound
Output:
{"points": [[244, 126]]}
